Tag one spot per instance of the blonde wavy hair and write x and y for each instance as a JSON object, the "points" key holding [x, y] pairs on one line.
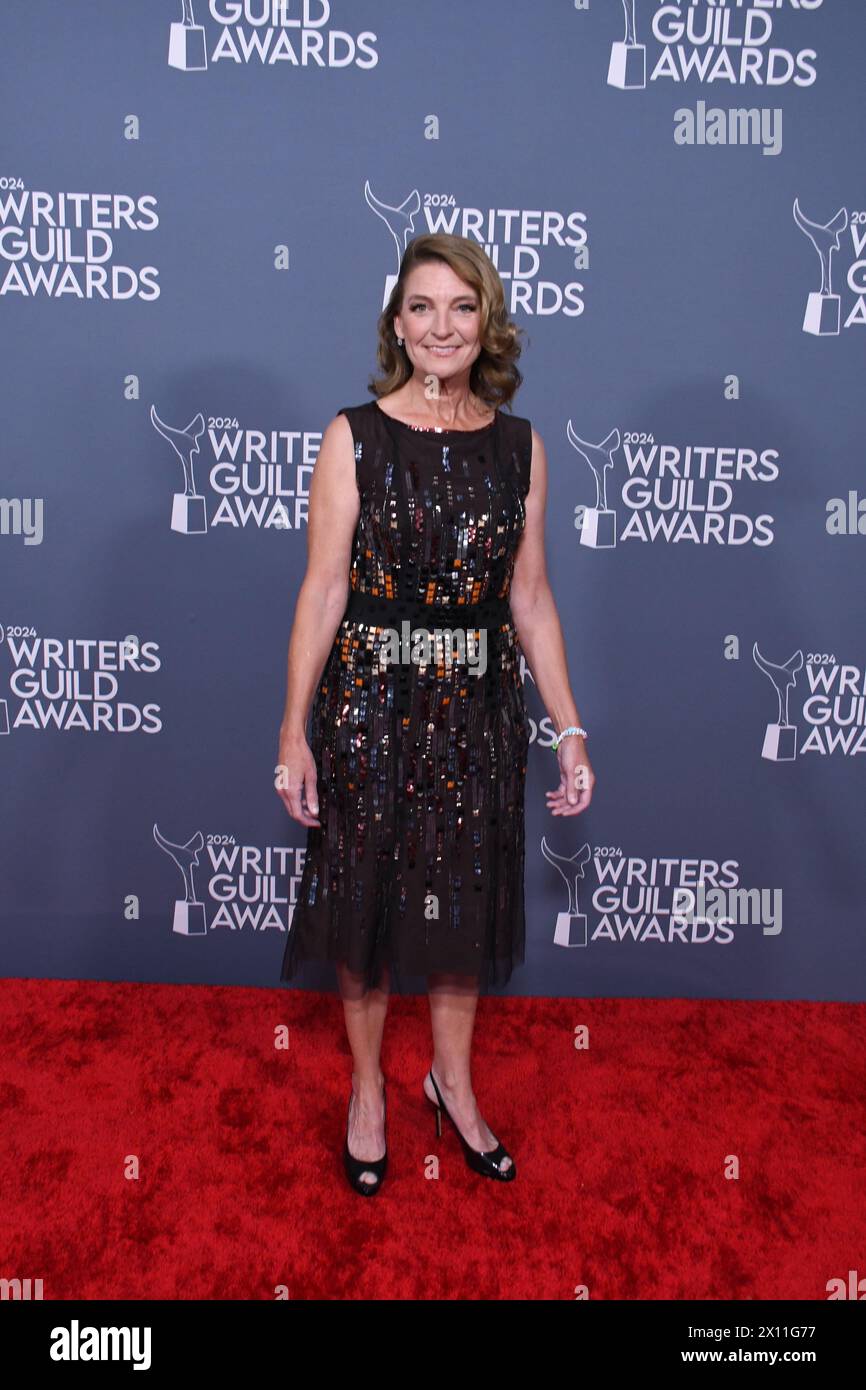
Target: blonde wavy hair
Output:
{"points": [[494, 377]]}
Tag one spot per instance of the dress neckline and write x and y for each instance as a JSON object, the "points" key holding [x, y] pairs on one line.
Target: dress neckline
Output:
{"points": [[434, 430]]}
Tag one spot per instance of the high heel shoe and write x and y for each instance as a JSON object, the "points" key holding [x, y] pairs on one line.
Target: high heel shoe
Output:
{"points": [[356, 1166], [489, 1164]]}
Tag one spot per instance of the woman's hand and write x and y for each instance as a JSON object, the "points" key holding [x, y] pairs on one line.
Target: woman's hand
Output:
{"points": [[577, 778], [295, 778]]}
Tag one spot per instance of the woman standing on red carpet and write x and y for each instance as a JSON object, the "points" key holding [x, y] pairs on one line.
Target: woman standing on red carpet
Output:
{"points": [[425, 579]]}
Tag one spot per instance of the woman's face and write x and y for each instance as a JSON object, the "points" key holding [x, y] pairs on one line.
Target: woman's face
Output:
{"points": [[439, 311]]}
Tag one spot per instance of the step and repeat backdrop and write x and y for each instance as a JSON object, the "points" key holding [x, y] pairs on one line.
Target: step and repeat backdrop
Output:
{"points": [[202, 206]]}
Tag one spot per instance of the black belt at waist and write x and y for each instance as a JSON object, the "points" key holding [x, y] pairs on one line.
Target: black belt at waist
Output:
{"points": [[388, 612]]}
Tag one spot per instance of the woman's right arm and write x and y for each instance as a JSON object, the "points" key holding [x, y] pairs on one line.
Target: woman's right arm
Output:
{"points": [[333, 516]]}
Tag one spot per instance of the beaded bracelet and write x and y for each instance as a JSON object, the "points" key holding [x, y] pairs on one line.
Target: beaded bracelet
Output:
{"points": [[572, 729]]}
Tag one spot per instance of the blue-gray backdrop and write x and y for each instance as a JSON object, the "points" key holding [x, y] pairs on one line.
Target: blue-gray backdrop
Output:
{"points": [[201, 207]]}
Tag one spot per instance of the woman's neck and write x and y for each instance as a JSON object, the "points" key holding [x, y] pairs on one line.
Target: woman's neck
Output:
{"points": [[445, 409]]}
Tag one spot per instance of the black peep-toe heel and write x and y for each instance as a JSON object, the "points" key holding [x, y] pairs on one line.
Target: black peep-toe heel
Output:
{"points": [[356, 1166], [489, 1164]]}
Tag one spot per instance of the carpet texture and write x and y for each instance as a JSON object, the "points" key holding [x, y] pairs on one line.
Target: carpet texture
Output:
{"points": [[622, 1149]]}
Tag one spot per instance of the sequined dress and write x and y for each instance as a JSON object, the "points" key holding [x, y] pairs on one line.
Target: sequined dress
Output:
{"points": [[418, 859]]}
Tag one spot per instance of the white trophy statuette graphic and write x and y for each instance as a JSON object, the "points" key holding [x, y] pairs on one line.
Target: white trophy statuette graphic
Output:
{"points": [[780, 739], [627, 68], [400, 223], [188, 510], [186, 43], [570, 927], [189, 918], [599, 522], [823, 308]]}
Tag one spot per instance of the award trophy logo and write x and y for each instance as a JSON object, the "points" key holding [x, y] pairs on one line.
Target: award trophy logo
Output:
{"points": [[780, 739], [823, 308], [400, 223], [627, 69], [188, 511], [570, 927], [598, 528], [189, 918], [186, 43]]}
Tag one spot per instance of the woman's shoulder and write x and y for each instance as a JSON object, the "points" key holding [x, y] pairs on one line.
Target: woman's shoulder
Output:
{"points": [[520, 427], [365, 406], [358, 418], [519, 420], [358, 415]]}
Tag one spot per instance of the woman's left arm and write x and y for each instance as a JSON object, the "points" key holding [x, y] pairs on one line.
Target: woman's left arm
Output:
{"points": [[539, 632]]}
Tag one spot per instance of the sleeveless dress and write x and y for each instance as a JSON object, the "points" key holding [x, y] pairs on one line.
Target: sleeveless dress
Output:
{"points": [[418, 857]]}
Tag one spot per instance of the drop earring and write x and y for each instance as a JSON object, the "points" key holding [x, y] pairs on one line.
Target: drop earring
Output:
{"points": [[399, 342]]}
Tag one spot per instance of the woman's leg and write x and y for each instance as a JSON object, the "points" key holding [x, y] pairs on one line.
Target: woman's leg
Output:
{"points": [[364, 1011], [453, 1000]]}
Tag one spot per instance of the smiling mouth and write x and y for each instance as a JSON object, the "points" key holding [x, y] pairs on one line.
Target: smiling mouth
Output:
{"points": [[443, 351]]}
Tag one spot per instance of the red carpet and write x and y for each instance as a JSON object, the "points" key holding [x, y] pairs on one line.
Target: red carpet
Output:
{"points": [[621, 1149]]}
